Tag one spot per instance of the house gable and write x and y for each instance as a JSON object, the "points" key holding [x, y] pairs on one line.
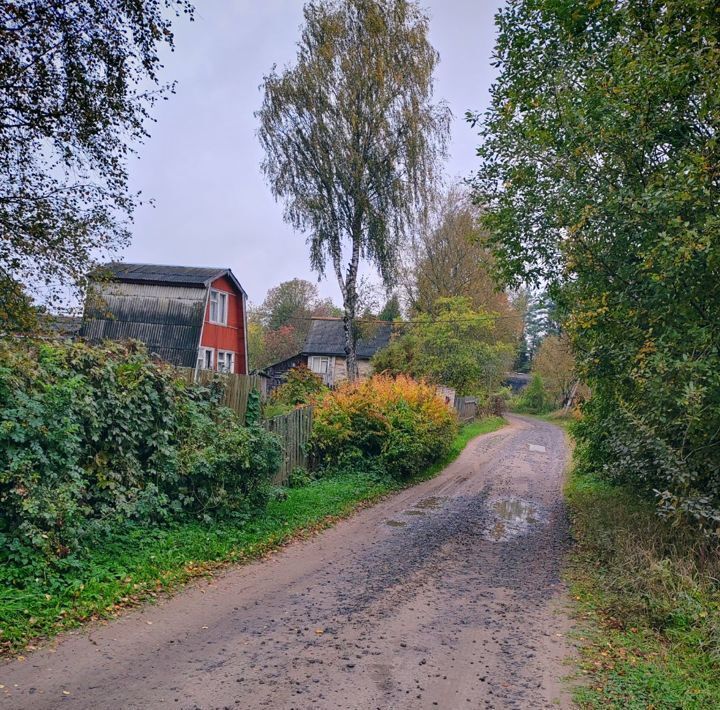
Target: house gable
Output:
{"points": [[226, 334], [166, 307]]}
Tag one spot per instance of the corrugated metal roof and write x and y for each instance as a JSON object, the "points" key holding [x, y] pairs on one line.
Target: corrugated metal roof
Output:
{"points": [[327, 337], [196, 276]]}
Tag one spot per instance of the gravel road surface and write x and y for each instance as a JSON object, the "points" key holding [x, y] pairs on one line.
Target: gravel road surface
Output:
{"points": [[446, 595]]}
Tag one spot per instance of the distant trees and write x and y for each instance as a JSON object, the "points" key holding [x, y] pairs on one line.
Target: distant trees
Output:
{"points": [[599, 179], [450, 258], [293, 303], [391, 310], [456, 345], [279, 326], [77, 83], [554, 362], [352, 138]]}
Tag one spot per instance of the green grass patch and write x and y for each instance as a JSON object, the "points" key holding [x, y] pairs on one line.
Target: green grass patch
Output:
{"points": [[136, 564], [648, 598]]}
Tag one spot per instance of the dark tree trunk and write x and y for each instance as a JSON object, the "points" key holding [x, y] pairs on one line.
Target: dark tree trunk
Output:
{"points": [[350, 355], [350, 302]]}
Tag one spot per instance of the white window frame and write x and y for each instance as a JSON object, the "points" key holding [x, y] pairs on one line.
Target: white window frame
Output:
{"points": [[228, 357], [218, 302], [203, 352], [319, 359]]}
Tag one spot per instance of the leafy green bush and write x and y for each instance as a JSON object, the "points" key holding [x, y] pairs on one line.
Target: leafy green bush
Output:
{"points": [[399, 423], [91, 436], [599, 156], [300, 387], [456, 346], [533, 399], [299, 478]]}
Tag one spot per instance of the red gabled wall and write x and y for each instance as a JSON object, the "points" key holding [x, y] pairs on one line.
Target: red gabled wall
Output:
{"points": [[231, 336]]}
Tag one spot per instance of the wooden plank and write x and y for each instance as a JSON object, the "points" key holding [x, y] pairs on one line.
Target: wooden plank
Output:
{"points": [[293, 430], [237, 388]]}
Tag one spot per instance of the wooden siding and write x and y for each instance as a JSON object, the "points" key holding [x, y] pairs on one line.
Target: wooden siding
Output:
{"points": [[168, 319], [466, 408]]}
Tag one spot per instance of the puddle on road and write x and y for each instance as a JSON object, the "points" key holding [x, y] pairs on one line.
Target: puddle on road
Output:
{"points": [[414, 512], [395, 523], [432, 502], [511, 517]]}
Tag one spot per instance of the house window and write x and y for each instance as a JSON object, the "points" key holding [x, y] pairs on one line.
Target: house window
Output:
{"points": [[225, 361], [320, 365], [218, 307], [205, 359]]}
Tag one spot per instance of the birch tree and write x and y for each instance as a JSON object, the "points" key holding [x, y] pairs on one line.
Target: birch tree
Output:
{"points": [[352, 137]]}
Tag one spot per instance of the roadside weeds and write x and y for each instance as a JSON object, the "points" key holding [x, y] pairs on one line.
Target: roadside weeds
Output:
{"points": [[647, 599]]}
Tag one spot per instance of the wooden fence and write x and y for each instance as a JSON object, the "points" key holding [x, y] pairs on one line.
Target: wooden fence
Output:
{"points": [[293, 430], [466, 408], [236, 387]]}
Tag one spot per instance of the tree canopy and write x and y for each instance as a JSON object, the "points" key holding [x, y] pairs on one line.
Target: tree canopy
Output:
{"points": [[450, 259], [456, 346], [77, 82], [278, 327], [599, 178], [352, 138]]}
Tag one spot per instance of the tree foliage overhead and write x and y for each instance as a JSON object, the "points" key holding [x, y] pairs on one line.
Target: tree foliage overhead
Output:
{"points": [[600, 160], [77, 81], [351, 136]]}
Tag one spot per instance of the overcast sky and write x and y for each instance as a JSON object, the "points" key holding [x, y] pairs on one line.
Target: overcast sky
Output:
{"points": [[201, 165]]}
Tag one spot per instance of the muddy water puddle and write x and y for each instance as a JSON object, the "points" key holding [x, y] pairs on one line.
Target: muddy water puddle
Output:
{"points": [[421, 508], [510, 517]]}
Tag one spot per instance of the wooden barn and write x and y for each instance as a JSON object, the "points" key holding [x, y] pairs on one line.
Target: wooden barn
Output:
{"points": [[189, 316]]}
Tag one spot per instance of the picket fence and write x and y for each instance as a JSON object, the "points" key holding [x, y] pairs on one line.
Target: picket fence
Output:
{"points": [[292, 429]]}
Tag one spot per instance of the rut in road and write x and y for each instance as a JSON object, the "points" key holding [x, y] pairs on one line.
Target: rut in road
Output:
{"points": [[445, 595]]}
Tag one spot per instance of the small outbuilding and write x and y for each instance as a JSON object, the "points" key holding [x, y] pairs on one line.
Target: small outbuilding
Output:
{"points": [[324, 351], [189, 316]]}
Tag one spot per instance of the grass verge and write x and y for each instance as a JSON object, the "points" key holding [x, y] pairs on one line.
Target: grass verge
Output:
{"points": [[648, 597], [136, 564]]}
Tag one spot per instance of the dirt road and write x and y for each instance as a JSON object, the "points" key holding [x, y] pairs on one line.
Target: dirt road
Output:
{"points": [[446, 595]]}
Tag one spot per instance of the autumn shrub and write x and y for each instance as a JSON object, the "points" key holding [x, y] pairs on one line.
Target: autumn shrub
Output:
{"points": [[456, 346], [399, 423], [90, 436]]}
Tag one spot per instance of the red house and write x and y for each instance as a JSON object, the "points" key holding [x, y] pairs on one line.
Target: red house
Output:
{"points": [[189, 316]]}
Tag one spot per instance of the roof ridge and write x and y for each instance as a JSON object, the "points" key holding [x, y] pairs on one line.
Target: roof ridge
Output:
{"points": [[166, 266]]}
